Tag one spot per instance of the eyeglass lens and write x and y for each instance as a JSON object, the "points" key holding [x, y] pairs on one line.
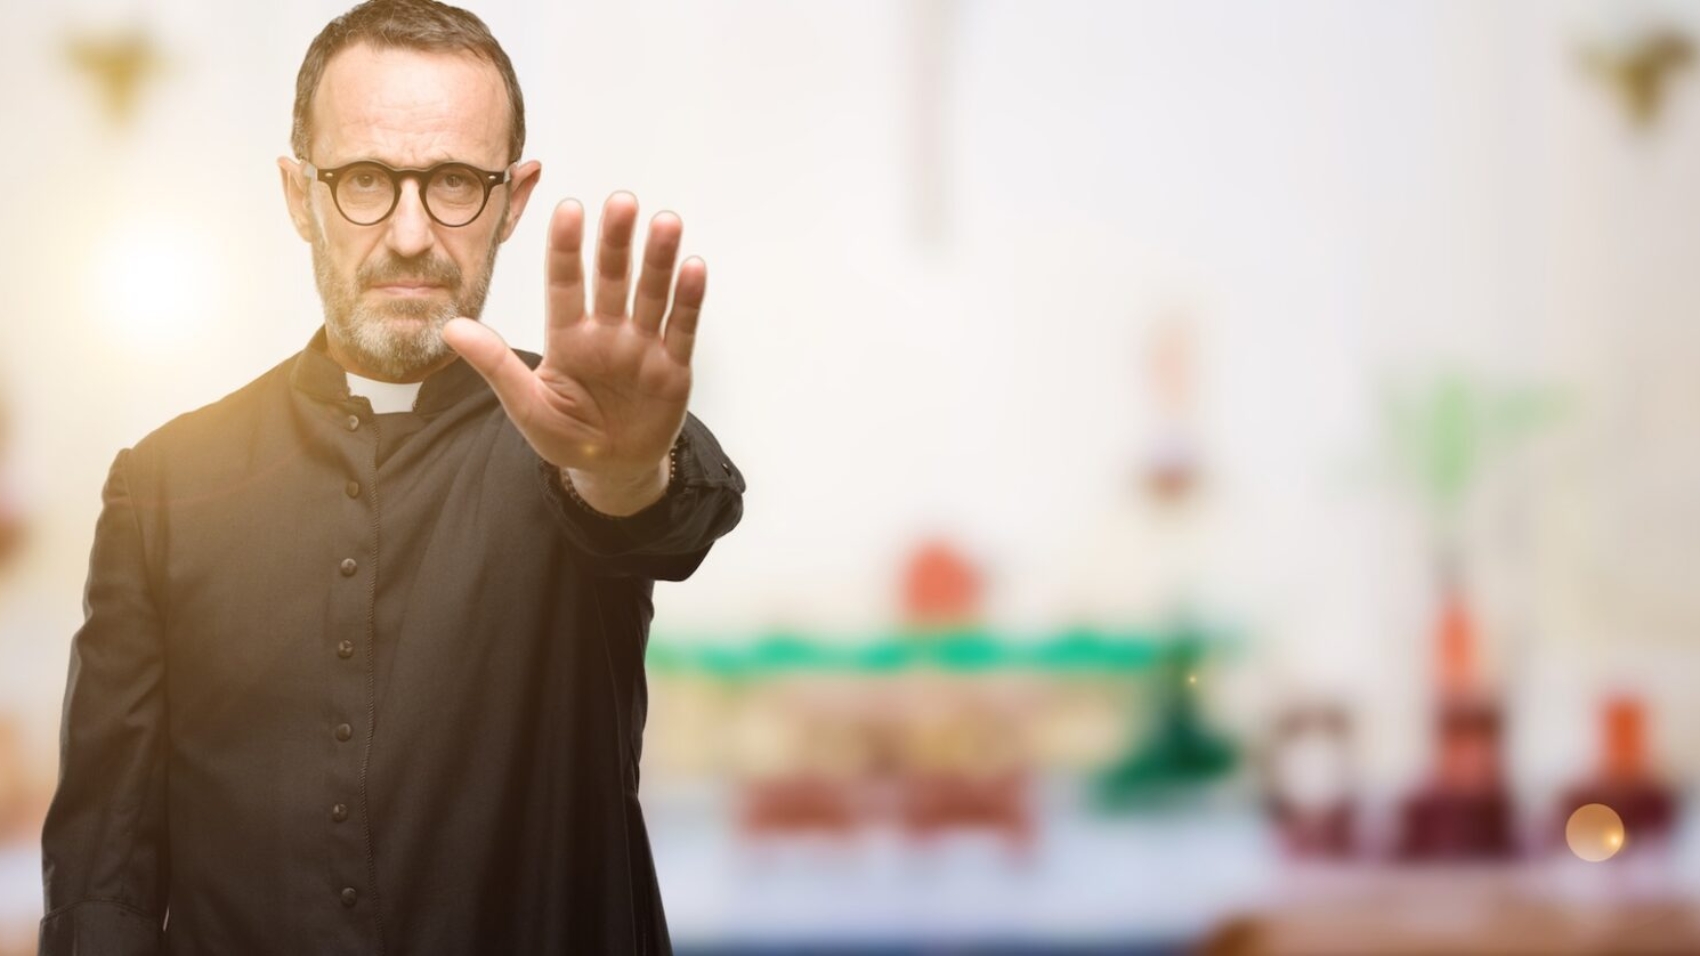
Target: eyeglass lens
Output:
{"points": [[453, 194]]}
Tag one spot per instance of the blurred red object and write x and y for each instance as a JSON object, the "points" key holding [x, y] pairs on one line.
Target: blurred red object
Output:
{"points": [[800, 803], [1464, 811], [1455, 637], [1625, 727], [941, 587], [936, 802], [1625, 779]]}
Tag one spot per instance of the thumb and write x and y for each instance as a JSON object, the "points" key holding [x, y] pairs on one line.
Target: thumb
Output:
{"points": [[485, 351]]}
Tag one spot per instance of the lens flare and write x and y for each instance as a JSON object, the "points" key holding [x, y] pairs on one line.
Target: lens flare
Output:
{"points": [[153, 283]]}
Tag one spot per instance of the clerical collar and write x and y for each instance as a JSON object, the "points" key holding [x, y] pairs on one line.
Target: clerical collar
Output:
{"points": [[318, 376], [385, 396]]}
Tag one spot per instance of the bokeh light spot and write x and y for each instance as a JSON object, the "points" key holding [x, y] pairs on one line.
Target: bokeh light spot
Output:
{"points": [[1595, 832]]}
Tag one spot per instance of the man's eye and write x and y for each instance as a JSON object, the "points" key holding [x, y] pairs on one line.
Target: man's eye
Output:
{"points": [[455, 181], [365, 180]]}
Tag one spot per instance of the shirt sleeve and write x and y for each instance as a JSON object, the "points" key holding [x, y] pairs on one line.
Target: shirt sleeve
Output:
{"points": [[105, 865], [669, 539]]}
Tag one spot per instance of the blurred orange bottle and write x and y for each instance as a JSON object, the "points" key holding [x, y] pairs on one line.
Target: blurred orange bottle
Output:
{"points": [[1464, 810]]}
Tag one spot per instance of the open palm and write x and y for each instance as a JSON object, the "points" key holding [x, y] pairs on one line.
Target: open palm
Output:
{"points": [[609, 397]]}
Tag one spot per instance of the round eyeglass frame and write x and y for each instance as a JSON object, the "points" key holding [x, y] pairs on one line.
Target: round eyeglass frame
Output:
{"points": [[331, 177]]}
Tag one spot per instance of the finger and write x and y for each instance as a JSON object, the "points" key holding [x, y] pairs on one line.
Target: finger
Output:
{"points": [[565, 288], [513, 383], [659, 251], [687, 305], [614, 255]]}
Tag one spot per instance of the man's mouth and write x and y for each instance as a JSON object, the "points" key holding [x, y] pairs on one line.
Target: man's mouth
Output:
{"points": [[408, 288]]}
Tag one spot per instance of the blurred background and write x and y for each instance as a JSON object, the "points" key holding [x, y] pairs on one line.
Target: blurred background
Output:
{"points": [[1224, 476]]}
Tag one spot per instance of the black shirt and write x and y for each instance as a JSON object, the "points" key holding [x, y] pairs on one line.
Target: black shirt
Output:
{"points": [[331, 702]]}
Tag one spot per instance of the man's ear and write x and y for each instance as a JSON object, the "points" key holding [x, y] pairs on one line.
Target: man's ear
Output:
{"points": [[519, 193], [295, 195]]}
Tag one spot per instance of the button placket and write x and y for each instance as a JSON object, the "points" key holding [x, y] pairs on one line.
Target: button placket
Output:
{"points": [[348, 567], [348, 705]]}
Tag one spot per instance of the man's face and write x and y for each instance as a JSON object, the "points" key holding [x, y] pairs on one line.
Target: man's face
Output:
{"points": [[389, 288]]}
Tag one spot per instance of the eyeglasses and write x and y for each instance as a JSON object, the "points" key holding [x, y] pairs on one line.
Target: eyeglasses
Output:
{"points": [[366, 192]]}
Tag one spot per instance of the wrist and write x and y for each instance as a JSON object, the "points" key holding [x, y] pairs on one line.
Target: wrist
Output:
{"points": [[616, 494]]}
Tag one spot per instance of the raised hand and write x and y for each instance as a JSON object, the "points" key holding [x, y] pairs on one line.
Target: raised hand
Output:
{"points": [[609, 397]]}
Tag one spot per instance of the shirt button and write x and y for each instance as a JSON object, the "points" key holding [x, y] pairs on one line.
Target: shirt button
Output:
{"points": [[343, 731], [726, 466], [348, 565], [345, 650], [349, 896], [339, 812], [353, 422], [352, 488]]}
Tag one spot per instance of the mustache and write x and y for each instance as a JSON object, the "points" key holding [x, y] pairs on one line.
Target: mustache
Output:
{"points": [[423, 269]]}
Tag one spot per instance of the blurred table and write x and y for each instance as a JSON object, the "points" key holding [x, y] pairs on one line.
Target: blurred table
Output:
{"points": [[1133, 883], [1552, 907]]}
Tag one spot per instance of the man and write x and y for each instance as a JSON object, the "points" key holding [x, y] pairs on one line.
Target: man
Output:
{"points": [[362, 665]]}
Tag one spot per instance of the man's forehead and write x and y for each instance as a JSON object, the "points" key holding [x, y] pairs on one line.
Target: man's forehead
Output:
{"points": [[410, 108]]}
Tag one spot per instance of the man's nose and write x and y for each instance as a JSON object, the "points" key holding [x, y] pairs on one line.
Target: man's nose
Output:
{"points": [[410, 230]]}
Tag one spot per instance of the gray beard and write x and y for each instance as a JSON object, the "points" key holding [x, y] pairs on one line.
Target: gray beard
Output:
{"points": [[367, 333]]}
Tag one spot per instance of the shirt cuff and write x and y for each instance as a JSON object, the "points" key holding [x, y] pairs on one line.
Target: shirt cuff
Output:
{"points": [[686, 518]]}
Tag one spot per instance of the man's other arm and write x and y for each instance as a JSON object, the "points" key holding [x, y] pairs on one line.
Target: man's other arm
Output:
{"points": [[105, 865]]}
